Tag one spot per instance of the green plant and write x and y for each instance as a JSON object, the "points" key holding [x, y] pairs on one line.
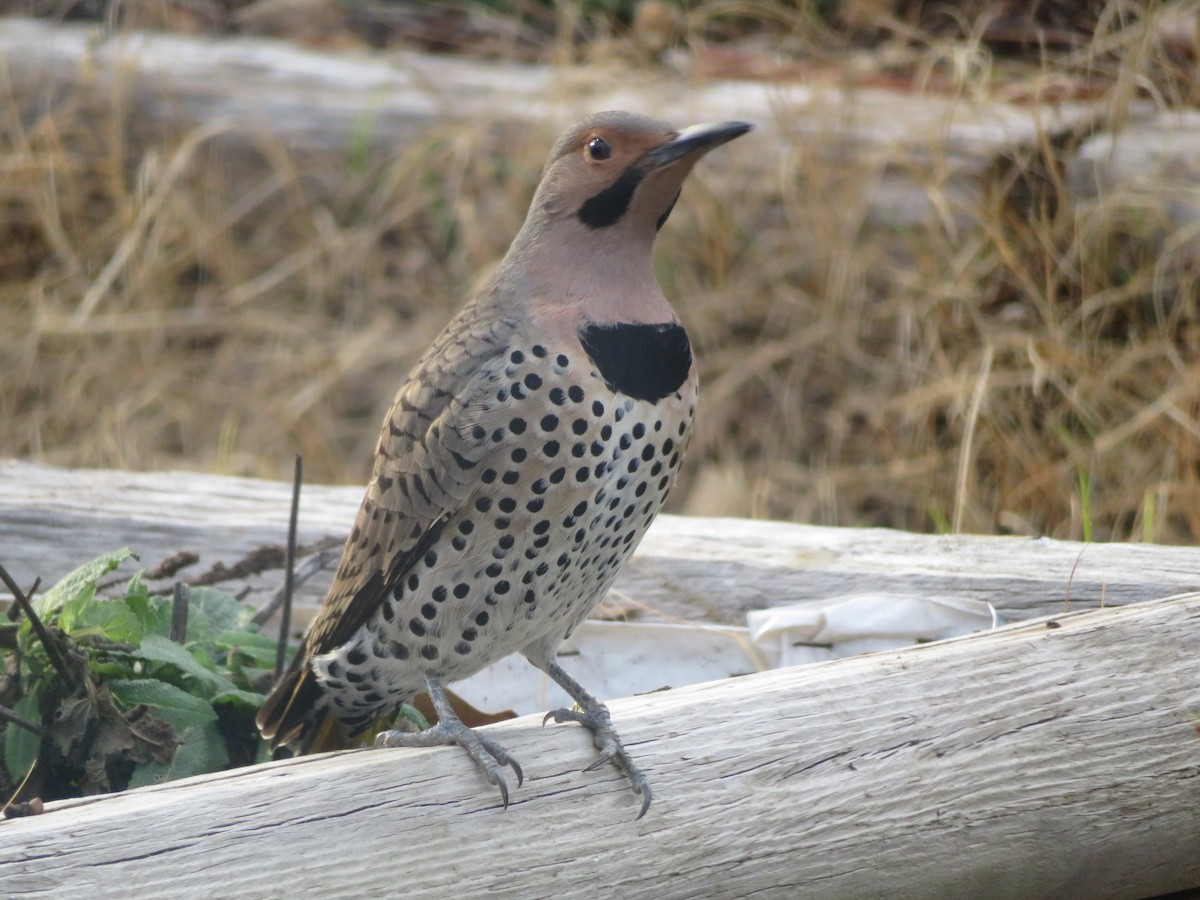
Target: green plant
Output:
{"points": [[1085, 504], [114, 702]]}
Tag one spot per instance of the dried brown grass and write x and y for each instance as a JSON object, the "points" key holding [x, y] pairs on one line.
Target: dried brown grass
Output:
{"points": [[1023, 363]]}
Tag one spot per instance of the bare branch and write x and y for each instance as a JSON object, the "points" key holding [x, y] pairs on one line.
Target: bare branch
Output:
{"points": [[51, 645], [171, 565], [21, 722], [14, 612], [179, 611], [285, 621]]}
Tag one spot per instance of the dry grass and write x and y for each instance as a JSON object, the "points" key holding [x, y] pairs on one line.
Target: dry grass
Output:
{"points": [[1022, 364]]}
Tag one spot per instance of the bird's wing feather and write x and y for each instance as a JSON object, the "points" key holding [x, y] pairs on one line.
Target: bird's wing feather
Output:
{"points": [[425, 471]]}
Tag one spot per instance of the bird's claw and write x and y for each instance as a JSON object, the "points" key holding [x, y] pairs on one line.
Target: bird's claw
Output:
{"points": [[597, 720], [489, 755], [642, 787], [567, 715]]}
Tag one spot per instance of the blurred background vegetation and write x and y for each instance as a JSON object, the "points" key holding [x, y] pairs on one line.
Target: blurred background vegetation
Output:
{"points": [[1020, 362]]}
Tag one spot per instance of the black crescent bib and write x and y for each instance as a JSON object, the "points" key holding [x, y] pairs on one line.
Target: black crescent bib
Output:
{"points": [[646, 362]]}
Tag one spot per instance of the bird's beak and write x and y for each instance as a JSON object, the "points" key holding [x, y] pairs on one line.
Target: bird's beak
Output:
{"points": [[694, 141]]}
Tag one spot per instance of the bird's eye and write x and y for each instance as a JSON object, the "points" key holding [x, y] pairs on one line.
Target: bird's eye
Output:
{"points": [[598, 148]]}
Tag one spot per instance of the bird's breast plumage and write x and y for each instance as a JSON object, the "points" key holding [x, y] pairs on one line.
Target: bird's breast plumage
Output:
{"points": [[559, 471]]}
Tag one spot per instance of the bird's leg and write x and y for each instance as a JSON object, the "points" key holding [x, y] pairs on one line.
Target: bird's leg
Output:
{"points": [[488, 754], [593, 715]]}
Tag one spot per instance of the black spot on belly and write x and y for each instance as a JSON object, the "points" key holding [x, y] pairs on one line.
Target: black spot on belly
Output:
{"points": [[646, 362]]}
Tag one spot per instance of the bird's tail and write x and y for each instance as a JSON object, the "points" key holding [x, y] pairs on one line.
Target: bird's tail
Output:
{"points": [[292, 717]]}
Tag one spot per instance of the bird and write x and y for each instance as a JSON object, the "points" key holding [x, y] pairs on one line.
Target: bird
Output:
{"points": [[520, 464]]}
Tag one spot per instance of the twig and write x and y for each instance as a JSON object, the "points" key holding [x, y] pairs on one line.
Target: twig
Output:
{"points": [[29, 807], [33, 807], [39, 629], [319, 560], [14, 612], [180, 600], [260, 560], [285, 619], [965, 452], [21, 722], [171, 565], [1071, 578]]}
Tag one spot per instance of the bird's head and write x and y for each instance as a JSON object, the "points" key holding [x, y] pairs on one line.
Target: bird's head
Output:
{"points": [[608, 186], [616, 175]]}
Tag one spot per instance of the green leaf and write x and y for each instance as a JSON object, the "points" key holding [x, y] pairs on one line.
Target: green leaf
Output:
{"points": [[75, 607], [257, 647], [112, 620], [410, 713], [156, 648], [21, 747], [113, 669], [150, 773], [153, 612], [202, 750], [126, 619], [212, 611], [175, 706], [85, 576], [264, 752], [251, 675], [134, 586], [248, 699]]}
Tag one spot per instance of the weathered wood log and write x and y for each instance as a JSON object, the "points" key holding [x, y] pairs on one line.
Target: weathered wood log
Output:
{"points": [[1049, 759], [318, 98], [316, 101], [713, 570]]}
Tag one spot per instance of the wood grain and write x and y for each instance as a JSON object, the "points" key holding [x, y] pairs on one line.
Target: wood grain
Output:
{"points": [[1035, 761], [687, 568]]}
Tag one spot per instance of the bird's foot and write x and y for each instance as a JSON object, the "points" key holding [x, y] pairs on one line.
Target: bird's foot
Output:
{"points": [[594, 716], [489, 755]]}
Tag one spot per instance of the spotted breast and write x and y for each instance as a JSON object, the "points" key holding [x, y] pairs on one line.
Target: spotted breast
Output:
{"points": [[571, 455]]}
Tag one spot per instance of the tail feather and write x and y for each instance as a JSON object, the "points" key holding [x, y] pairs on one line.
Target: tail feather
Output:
{"points": [[288, 708], [291, 716]]}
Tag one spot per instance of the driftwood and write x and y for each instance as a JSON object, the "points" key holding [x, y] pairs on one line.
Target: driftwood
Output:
{"points": [[913, 144], [315, 98], [1048, 759], [690, 568], [922, 154]]}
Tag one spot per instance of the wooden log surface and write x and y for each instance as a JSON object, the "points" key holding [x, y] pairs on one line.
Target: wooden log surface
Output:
{"points": [[316, 98], [1047, 759], [689, 568], [315, 101]]}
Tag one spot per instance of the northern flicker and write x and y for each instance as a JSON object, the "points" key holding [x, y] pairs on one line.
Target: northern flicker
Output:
{"points": [[520, 464]]}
